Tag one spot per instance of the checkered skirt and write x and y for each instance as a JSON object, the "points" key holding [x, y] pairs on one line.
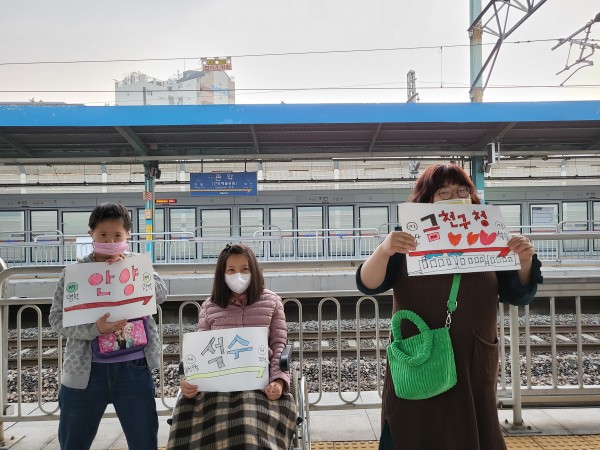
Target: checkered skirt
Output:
{"points": [[233, 420]]}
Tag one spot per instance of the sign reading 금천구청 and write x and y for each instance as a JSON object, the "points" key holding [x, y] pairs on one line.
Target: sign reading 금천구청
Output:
{"points": [[456, 238]]}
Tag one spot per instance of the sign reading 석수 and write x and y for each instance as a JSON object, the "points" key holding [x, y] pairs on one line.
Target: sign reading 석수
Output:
{"points": [[226, 360]]}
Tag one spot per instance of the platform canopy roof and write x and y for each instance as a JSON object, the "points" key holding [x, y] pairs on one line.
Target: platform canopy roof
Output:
{"points": [[120, 134]]}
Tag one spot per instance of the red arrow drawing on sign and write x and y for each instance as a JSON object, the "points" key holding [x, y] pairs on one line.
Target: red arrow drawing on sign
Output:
{"points": [[93, 305], [502, 251]]}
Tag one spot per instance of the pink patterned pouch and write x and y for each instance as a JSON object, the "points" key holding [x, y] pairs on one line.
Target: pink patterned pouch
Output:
{"points": [[131, 338]]}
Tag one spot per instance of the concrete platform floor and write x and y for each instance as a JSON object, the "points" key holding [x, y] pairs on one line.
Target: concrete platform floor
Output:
{"points": [[551, 428]]}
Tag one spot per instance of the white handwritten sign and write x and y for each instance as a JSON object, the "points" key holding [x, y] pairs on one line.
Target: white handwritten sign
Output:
{"points": [[456, 239], [125, 289], [227, 360]]}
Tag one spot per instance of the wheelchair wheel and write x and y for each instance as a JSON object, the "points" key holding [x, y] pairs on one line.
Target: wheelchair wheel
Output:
{"points": [[301, 440]]}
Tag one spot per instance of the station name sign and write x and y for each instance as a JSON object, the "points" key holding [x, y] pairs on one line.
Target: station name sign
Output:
{"points": [[223, 183]]}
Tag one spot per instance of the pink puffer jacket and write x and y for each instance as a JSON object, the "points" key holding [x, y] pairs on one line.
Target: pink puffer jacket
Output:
{"points": [[266, 312]]}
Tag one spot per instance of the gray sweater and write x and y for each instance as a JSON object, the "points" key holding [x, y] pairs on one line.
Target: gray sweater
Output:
{"points": [[77, 360]]}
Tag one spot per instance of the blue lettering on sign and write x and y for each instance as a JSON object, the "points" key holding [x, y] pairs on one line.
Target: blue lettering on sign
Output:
{"points": [[224, 183]]}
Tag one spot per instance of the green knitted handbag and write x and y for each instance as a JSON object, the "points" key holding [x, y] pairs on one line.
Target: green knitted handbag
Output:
{"points": [[422, 366]]}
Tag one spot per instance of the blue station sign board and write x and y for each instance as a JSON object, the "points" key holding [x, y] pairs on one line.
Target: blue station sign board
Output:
{"points": [[223, 183]]}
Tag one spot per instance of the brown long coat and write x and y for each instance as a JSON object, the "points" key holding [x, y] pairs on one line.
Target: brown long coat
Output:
{"points": [[465, 417]]}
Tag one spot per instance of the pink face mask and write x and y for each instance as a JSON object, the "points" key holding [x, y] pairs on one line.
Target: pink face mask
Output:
{"points": [[111, 248]]}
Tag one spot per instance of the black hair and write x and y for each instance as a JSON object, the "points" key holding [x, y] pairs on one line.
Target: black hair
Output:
{"points": [[109, 211], [221, 292]]}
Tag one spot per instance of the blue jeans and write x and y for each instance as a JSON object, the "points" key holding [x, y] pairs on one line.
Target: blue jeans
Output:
{"points": [[129, 387]]}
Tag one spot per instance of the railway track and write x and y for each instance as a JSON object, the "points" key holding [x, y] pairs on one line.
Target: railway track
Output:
{"points": [[327, 343]]}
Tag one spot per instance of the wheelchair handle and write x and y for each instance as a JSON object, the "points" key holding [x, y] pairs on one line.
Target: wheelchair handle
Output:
{"points": [[286, 357]]}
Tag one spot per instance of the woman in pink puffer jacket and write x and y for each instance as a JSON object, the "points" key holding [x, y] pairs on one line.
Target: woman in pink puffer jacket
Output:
{"points": [[244, 419]]}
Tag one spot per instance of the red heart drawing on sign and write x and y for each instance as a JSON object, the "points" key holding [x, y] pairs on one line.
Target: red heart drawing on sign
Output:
{"points": [[472, 238], [454, 238], [487, 239]]}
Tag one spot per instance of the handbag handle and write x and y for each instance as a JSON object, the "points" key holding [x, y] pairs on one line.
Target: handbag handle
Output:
{"points": [[427, 344]]}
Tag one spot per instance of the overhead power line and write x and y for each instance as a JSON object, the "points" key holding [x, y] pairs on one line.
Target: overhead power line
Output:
{"points": [[283, 89], [258, 55]]}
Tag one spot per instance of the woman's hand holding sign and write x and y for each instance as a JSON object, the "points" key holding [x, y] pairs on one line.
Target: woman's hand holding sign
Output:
{"points": [[398, 242], [524, 249], [274, 389], [188, 390]]}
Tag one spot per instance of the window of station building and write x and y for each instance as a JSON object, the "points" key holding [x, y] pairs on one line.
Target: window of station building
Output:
{"points": [[252, 221], [512, 218], [372, 220], [310, 226], [596, 223], [543, 218], [575, 218], [44, 230], [158, 240], [182, 225], [75, 230], [281, 224], [13, 230], [341, 231], [214, 223]]}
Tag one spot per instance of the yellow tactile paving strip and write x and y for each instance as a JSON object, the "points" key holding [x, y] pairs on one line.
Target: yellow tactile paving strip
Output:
{"points": [[512, 443]]}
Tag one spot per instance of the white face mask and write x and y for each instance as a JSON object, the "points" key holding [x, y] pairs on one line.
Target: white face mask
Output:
{"points": [[455, 201], [238, 282]]}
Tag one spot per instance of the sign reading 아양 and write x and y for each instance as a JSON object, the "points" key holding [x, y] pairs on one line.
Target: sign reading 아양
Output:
{"points": [[125, 289], [227, 360], [456, 239]]}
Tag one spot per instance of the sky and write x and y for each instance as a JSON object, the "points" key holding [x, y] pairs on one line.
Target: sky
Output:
{"points": [[427, 36]]}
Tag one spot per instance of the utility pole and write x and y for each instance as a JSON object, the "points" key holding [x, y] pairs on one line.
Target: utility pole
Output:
{"points": [[475, 37], [476, 92], [411, 84]]}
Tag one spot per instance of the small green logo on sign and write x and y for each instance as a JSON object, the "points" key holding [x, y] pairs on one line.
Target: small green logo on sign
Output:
{"points": [[72, 287]]}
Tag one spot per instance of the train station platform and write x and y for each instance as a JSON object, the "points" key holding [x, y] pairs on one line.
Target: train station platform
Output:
{"points": [[545, 428]]}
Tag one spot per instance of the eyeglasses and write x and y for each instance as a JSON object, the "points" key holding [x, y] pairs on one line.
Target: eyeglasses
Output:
{"points": [[445, 193]]}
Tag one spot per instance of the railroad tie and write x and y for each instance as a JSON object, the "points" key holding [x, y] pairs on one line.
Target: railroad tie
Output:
{"points": [[563, 338], [590, 338]]}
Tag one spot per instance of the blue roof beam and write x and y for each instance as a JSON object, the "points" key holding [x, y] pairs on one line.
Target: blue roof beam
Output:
{"points": [[374, 138], [255, 139], [596, 144], [133, 140], [16, 145], [496, 134]]}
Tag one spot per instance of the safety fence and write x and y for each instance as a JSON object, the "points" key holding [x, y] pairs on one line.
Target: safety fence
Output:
{"points": [[517, 348], [555, 245]]}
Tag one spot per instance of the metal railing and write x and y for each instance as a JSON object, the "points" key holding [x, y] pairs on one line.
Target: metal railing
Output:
{"points": [[566, 290], [553, 246]]}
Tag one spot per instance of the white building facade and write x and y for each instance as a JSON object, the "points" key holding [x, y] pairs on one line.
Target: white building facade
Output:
{"points": [[194, 87]]}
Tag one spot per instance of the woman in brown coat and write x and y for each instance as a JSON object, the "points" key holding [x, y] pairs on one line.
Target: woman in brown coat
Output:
{"points": [[464, 417]]}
